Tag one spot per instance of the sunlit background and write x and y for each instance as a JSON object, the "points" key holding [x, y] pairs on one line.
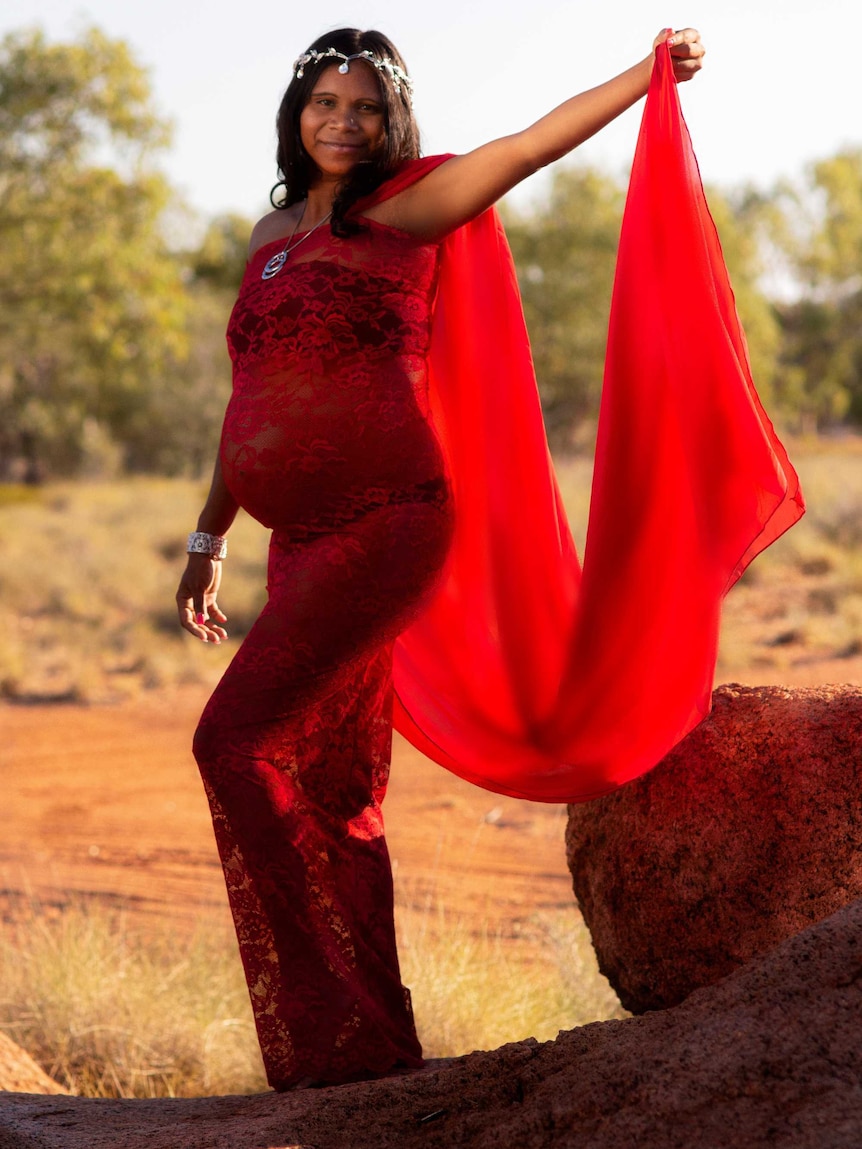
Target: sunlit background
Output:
{"points": [[118, 968], [781, 85]]}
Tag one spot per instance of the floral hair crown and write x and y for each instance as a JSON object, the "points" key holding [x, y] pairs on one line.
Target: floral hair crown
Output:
{"points": [[397, 75]]}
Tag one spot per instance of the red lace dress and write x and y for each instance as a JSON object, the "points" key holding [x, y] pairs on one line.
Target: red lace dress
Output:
{"points": [[326, 440]]}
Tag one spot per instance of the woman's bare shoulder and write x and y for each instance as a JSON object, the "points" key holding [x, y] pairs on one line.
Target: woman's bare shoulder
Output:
{"points": [[274, 225]]}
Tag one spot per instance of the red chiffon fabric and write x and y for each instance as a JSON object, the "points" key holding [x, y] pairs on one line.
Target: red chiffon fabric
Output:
{"points": [[524, 675]]}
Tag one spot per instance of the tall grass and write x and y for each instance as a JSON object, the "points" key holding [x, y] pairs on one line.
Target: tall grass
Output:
{"points": [[109, 1012], [801, 601], [86, 612], [90, 571], [112, 1012], [87, 585], [476, 989]]}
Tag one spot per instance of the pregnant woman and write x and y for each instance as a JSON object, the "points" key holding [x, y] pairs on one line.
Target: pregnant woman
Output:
{"points": [[328, 440]]}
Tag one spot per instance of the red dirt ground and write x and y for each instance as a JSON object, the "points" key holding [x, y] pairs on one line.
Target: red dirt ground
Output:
{"points": [[105, 802]]}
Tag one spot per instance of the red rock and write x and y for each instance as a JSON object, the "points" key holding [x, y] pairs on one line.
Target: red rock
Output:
{"points": [[748, 832], [770, 1056], [19, 1073]]}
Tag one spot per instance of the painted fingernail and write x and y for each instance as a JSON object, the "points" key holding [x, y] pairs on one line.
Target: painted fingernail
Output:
{"points": [[199, 619]]}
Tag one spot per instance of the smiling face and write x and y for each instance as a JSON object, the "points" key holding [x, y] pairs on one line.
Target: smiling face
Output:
{"points": [[343, 123]]}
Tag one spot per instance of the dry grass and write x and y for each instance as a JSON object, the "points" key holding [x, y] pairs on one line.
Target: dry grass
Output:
{"points": [[109, 1012], [478, 989], [801, 601], [90, 570], [87, 586], [86, 589]]}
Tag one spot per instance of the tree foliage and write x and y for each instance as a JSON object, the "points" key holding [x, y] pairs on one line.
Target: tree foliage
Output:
{"points": [[93, 306], [565, 251], [112, 341], [817, 225], [219, 262]]}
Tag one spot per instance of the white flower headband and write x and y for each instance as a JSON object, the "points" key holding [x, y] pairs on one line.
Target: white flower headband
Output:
{"points": [[397, 75]]}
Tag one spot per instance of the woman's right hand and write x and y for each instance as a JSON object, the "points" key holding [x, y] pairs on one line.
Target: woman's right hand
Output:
{"points": [[465, 185], [686, 51], [198, 609]]}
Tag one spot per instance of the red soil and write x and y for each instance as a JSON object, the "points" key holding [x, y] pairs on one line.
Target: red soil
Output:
{"points": [[106, 803]]}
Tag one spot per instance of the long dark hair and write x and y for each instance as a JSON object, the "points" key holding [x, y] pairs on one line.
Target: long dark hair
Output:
{"points": [[401, 140]]}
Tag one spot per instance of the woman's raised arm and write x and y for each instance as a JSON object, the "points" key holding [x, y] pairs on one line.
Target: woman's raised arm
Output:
{"points": [[466, 185]]}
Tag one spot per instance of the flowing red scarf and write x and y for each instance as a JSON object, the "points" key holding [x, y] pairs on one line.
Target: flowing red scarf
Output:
{"points": [[526, 675]]}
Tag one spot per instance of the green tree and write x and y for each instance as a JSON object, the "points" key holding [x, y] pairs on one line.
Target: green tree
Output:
{"points": [[816, 224], [179, 430], [738, 218], [220, 260], [565, 251], [831, 261], [92, 304]]}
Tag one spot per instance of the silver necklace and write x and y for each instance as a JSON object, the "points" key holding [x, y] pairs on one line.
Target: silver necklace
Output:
{"points": [[274, 265]]}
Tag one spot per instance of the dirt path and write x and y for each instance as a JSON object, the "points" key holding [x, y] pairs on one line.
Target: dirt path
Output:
{"points": [[106, 803]]}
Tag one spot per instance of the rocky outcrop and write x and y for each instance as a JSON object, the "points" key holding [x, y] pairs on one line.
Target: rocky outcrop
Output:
{"points": [[19, 1073], [770, 1056], [749, 831]]}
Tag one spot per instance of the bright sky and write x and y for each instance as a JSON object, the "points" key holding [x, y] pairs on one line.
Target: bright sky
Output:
{"points": [[780, 87]]}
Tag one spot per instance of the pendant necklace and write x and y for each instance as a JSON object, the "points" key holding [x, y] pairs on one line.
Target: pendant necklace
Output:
{"points": [[274, 265]]}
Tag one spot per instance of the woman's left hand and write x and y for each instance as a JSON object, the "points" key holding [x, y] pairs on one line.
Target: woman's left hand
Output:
{"points": [[199, 612], [686, 51]]}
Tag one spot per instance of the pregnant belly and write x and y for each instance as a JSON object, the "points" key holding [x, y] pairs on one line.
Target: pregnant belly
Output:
{"points": [[311, 454]]}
